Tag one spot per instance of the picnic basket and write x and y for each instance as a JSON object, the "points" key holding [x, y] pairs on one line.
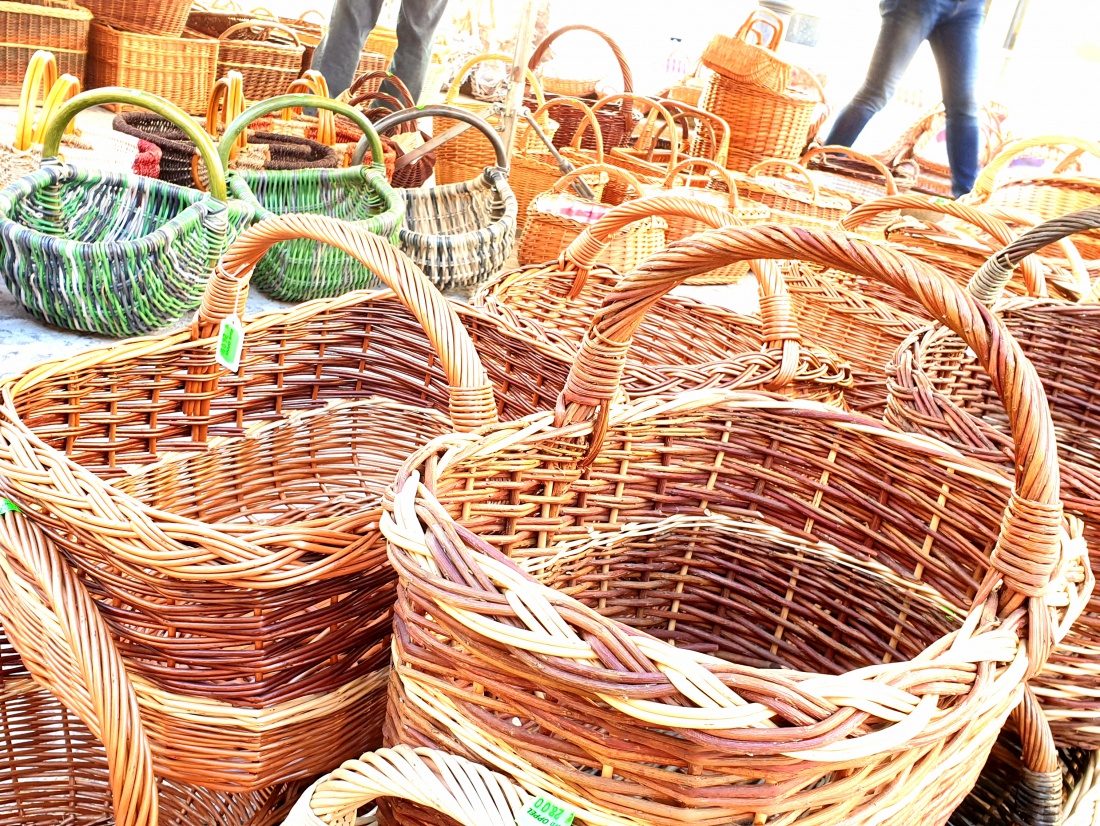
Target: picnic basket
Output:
{"points": [[750, 62], [299, 269], [1047, 195], [935, 388], [547, 231], [616, 122], [681, 344], [269, 57], [58, 26], [111, 252], [181, 70], [676, 575], [81, 755], [459, 234]]}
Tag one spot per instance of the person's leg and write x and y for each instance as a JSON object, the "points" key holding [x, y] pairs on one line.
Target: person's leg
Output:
{"points": [[905, 25], [954, 43], [337, 55], [416, 24]]}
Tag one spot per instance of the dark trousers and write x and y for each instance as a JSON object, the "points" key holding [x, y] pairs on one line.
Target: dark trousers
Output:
{"points": [[337, 55], [952, 28]]}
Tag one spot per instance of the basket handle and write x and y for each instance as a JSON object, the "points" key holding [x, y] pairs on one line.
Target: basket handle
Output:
{"points": [[456, 84], [770, 20], [51, 141], [460, 789], [995, 272], [66, 88], [987, 181], [300, 101], [588, 117], [879, 166], [406, 96], [815, 193], [1078, 267], [544, 46], [994, 227], [651, 107], [39, 80], [225, 104], [321, 17], [718, 127], [256, 23], [1028, 550], [313, 82], [594, 168], [439, 111], [64, 642], [718, 169], [472, 404]]}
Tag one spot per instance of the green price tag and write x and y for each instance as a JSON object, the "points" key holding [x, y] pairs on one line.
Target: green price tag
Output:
{"points": [[230, 343], [545, 811], [8, 506]]}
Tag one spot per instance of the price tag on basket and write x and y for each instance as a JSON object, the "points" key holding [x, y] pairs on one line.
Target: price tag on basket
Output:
{"points": [[230, 343], [545, 811]]}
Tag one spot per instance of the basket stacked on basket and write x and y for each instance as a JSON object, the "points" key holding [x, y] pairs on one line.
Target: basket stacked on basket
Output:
{"points": [[57, 26]]}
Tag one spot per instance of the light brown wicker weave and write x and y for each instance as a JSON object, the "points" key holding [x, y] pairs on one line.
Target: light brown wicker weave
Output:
{"points": [[682, 344], [382, 40], [749, 56], [692, 123], [663, 612], [59, 26], [936, 388], [546, 233], [639, 156], [179, 69], [263, 54], [163, 18], [798, 202], [81, 755]]}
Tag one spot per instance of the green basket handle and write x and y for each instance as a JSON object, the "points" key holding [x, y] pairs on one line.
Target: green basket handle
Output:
{"points": [[51, 141], [301, 101]]}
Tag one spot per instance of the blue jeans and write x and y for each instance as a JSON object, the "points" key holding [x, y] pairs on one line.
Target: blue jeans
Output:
{"points": [[337, 55], [951, 28]]}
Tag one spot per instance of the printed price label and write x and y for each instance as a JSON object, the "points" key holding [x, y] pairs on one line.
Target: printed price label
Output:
{"points": [[545, 811], [8, 506], [230, 343]]}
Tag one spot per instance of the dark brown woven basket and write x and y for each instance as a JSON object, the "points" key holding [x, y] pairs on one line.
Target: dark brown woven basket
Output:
{"points": [[58, 26], [267, 53], [407, 176]]}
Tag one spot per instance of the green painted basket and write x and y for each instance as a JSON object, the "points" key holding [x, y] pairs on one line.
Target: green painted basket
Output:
{"points": [[111, 252], [300, 270]]}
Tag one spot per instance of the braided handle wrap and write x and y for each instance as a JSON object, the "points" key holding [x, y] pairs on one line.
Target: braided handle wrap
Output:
{"points": [[986, 293], [64, 642], [1028, 551], [472, 404], [465, 791], [998, 268]]}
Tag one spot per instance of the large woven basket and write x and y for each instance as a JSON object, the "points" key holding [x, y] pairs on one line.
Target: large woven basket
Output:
{"points": [[795, 199], [936, 388], [749, 56], [59, 26], [253, 615], [681, 344], [547, 233], [164, 18], [646, 610], [179, 69], [269, 56], [1046, 195], [459, 234], [857, 178], [109, 252], [300, 269], [616, 122], [81, 755]]}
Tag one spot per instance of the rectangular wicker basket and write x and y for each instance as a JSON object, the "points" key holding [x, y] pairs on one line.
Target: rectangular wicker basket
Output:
{"points": [[59, 26], [180, 69]]}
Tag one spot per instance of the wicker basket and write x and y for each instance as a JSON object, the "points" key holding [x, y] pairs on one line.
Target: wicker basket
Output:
{"points": [[406, 174], [857, 178], [682, 344], [936, 388], [1049, 195], [164, 18], [81, 755], [694, 123], [546, 234], [605, 601], [641, 158], [58, 26], [764, 124], [300, 269], [382, 40], [533, 169], [750, 62], [124, 277], [268, 62], [466, 156], [616, 123], [179, 69], [799, 203]]}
